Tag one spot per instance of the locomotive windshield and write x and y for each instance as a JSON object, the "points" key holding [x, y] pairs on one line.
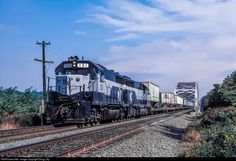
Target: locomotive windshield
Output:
{"points": [[74, 72]]}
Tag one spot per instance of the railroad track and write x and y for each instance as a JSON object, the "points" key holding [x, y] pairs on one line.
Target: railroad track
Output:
{"points": [[76, 144], [33, 132], [12, 132]]}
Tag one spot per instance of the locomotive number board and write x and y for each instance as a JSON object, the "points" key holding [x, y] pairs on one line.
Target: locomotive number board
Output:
{"points": [[82, 65]]}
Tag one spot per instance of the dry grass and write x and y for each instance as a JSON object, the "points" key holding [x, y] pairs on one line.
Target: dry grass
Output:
{"points": [[7, 125], [9, 122], [193, 136], [188, 150]]}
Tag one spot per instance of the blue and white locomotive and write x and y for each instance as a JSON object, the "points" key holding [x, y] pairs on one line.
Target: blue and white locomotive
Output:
{"points": [[87, 92]]}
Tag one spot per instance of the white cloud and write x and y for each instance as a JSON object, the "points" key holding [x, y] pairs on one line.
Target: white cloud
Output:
{"points": [[77, 32], [190, 59], [204, 49], [123, 37], [201, 16]]}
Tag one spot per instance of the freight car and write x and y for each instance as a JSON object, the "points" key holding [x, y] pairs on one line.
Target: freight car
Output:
{"points": [[168, 99], [87, 92], [179, 101]]}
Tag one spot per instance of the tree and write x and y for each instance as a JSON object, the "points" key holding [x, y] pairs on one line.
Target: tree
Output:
{"points": [[222, 94], [228, 88], [12, 100], [215, 98]]}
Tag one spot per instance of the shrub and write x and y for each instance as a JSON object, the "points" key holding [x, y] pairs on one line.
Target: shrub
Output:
{"points": [[219, 115], [22, 120], [218, 141], [218, 134]]}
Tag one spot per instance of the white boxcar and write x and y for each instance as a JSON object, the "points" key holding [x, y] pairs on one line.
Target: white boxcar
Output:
{"points": [[179, 100], [153, 90], [168, 98]]}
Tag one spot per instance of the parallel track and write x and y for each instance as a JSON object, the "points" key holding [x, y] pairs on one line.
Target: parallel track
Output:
{"points": [[32, 132], [12, 132]]}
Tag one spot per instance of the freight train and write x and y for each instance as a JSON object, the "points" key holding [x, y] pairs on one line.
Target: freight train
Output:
{"points": [[87, 92]]}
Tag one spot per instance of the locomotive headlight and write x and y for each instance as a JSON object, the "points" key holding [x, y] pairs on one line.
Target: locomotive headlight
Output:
{"points": [[74, 64]]}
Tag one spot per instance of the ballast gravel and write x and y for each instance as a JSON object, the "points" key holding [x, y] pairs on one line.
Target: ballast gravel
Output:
{"points": [[159, 139]]}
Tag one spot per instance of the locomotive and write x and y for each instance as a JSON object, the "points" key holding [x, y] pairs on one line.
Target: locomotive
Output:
{"points": [[87, 92]]}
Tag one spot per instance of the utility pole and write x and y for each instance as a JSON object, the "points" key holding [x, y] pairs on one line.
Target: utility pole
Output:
{"points": [[43, 44]]}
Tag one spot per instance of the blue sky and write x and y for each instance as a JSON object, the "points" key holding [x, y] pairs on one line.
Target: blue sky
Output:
{"points": [[163, 41]]}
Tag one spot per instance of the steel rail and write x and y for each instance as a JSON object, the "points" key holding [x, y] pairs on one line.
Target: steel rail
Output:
{"points": [[36, 133], [23, 130], [86, 148]]}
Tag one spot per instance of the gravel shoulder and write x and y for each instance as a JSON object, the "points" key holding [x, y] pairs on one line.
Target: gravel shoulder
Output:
{"points": [[159, 139]]}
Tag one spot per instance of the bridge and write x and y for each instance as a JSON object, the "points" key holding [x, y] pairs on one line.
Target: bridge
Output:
{"points": [[189, 91]]}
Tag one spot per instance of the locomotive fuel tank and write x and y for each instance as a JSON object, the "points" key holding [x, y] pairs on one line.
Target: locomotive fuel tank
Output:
{"points": [[109, 114]]}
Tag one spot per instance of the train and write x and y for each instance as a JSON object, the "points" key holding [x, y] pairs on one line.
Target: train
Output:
{"points": [[86, 93]]}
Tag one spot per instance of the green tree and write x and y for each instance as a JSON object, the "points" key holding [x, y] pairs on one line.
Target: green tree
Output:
{"points": [[222, 94], [228, 88], [12, 100], [215, 98]]}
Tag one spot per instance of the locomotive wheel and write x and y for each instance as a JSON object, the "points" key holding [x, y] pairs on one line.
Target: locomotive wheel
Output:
{"points": [[80, 125]]}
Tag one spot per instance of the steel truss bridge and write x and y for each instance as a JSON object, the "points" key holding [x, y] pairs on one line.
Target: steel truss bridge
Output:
{"points": [[189, 91]]}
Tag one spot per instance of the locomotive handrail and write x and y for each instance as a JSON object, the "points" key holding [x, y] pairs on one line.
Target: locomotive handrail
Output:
{"points": [[62, 106]]}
